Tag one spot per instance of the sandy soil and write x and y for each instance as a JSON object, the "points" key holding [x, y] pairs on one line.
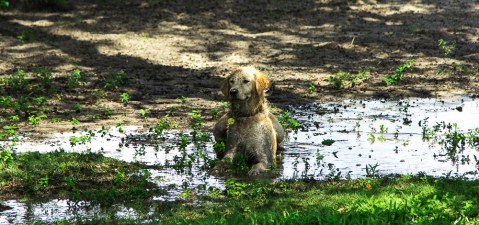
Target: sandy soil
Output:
{"points": [[185, 48]]}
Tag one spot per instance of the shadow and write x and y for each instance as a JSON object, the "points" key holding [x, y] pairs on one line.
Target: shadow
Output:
{"points": [[184, 48]]}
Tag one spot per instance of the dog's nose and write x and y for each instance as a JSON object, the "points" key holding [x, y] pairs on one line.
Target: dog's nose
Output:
{"points": [[233, 91]]}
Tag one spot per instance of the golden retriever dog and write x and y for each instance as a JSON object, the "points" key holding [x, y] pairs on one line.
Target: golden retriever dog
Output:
{"points": [[249, 127]]}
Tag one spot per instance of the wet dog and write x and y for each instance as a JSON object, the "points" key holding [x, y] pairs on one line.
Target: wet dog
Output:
{"points": [[249, 127]]}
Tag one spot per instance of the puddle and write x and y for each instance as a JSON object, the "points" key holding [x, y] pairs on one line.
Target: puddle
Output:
{"points": [[384, 136]]}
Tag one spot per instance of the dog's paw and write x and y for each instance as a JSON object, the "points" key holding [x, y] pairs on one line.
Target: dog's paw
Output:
{"points": [[219, 168], [257, 169]]}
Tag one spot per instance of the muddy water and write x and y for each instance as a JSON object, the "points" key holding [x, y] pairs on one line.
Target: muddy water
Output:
{"points": [[371, 137]]}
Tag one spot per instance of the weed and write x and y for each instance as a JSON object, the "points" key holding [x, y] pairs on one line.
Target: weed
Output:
{"points": [[124, 97], [383, 129], [219, 148], [319, 156], [106, 112], [371, 170], [287, 121], [328, 142], [161, 125], [446, 47], [4, 4], [115, 79], [144, 113], [311, 88], [214, 112], [341, 78], [371, 138], [34, 120], [398, 76], [25, 36], [75, 79], [17, 81], [42, 183], [45, 76], [196, 124], [182, 99], [222, 108], [77, 107], [74, 121], [5, 155]]}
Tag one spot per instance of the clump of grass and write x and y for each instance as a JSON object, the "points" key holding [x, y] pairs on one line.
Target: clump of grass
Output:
{"points": [[25, 36], [75, 176], [115, 79], [311, 88], [161, 125], [398, 76], [328, 142], [387, 200], [346, 79], [446, 47], [287, 121], [75, 79]]}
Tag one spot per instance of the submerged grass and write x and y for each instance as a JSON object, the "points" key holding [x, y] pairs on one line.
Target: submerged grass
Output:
{"points": [[387, 200]]}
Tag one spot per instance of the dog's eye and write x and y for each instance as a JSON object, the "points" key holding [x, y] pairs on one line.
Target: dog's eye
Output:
{"points": [[232, 81], [245, 81]]}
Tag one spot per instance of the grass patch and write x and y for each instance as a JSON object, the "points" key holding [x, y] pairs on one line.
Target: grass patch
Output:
{"points": [[75, 176], [387, 200]]}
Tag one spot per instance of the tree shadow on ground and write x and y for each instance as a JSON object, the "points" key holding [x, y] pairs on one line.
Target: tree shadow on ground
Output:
{"points": [[307, 40]]}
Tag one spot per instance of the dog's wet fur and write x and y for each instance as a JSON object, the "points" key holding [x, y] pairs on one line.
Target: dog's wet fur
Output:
{"points": [[253, 130]]}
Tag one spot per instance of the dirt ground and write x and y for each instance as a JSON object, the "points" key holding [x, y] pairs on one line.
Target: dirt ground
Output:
{"points": [[179, 48]]}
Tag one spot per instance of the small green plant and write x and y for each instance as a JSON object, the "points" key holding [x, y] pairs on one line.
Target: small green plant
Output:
{"points": [[6, 156], [17, 81], [4, 4], [161, 125], [319, 156], [311, 88], [287, 121], [124, 97], [120, 176], [182, 99], [328, 142], [383, 129], [45, 76], [144, 113], [75, 79], [341, 78], [106, 112], [25, 36], [34, 120], [42, 183], [446, 47], [77, 107], [219, 148], [398, 76], [74, 121], [115, 79], [371, 138], [214, 112], [372, 170]]}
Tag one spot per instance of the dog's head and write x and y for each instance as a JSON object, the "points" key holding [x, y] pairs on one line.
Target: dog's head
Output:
{"points": [[245, 83]]}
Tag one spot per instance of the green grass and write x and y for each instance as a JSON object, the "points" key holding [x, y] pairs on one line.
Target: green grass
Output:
{"points": [[75, 176], [398, 75], [387, 200]]}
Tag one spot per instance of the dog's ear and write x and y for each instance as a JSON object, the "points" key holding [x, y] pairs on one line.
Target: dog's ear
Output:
{"points": [[224, 88], [262, 83]]}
